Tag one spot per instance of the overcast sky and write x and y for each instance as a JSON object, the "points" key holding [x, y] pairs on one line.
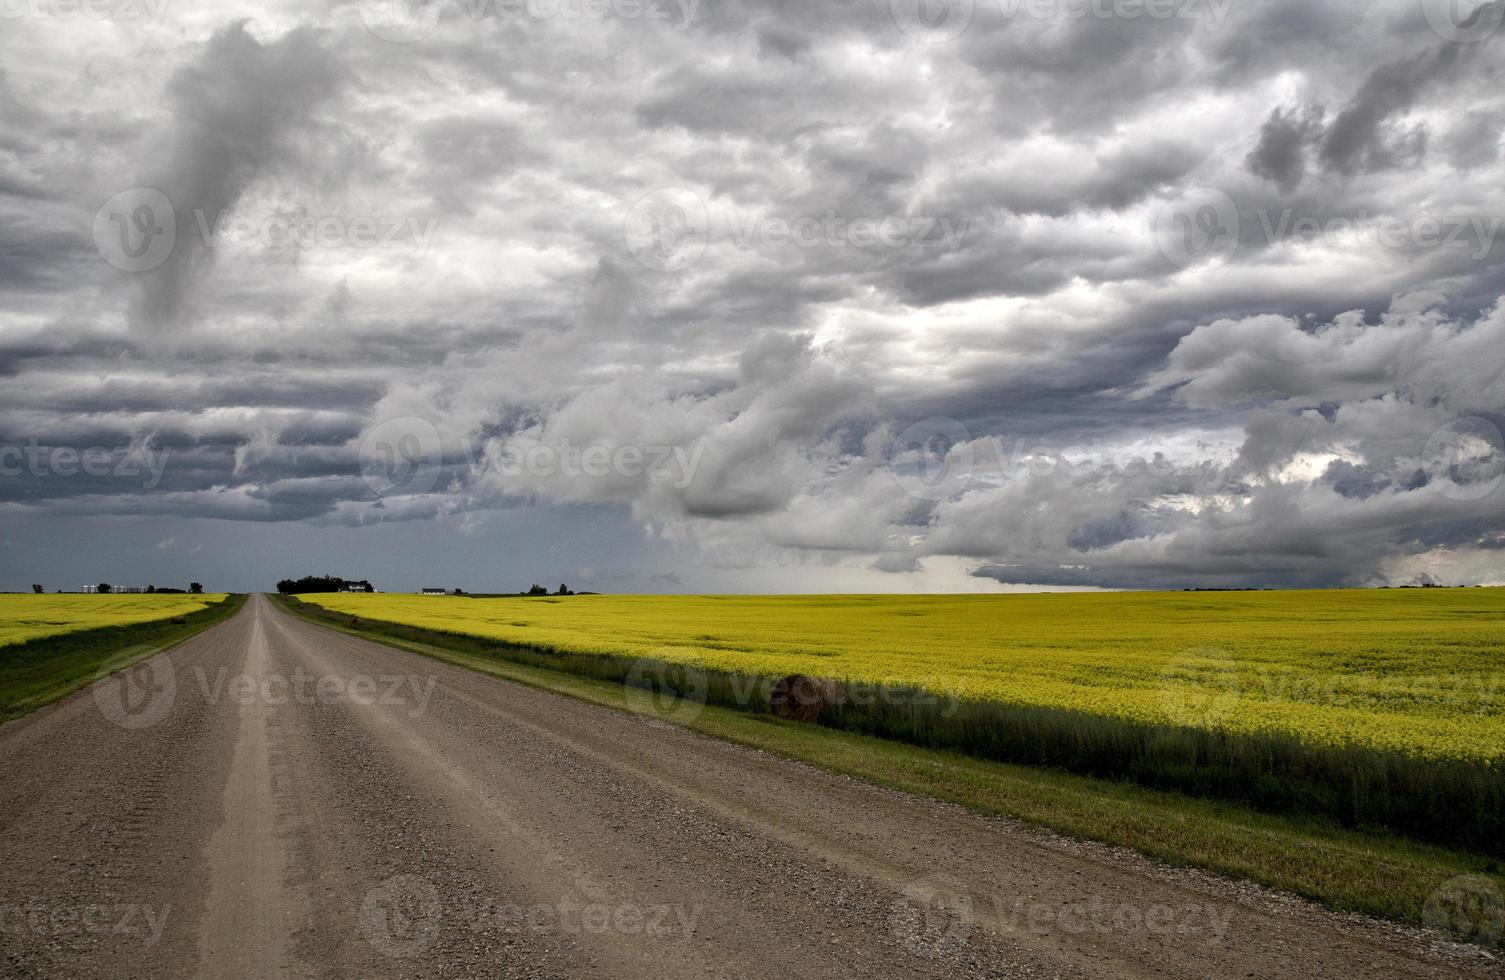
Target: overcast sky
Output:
{"points": [[728, 295]]}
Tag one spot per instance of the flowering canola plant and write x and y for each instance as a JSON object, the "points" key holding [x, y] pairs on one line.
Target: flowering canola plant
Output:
{"points": [[30, 617], [1420, 671]]}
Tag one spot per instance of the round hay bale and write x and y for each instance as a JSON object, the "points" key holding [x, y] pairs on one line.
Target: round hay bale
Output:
{"points": [[800, 697]]}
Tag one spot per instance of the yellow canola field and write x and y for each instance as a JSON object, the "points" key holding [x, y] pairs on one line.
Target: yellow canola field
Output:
{"points": [[28, 617], [1416, 670]]}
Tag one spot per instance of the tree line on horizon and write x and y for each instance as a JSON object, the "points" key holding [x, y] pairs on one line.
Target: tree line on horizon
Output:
{"points": [[321, 583], [105, 588]]}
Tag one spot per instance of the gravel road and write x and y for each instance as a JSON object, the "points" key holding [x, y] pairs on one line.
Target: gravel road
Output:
{"points": [[275, 799]]}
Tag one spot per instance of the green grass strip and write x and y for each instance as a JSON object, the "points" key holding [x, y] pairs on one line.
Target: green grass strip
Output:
{"points": [[40, 671]]}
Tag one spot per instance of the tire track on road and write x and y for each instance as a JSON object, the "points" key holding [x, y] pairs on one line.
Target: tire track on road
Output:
{"points": [[252, 911]]}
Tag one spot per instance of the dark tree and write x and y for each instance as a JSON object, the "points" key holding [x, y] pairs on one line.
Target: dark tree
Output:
{"points": [[322, 583], [151, 588], [311, 583], [195, 588], [104, 587], [37, 589], [564, 589], [538, 590]]}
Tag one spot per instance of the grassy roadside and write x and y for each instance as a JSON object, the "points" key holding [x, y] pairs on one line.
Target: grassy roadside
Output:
{"points": [[1350, 871], [40, 671]]}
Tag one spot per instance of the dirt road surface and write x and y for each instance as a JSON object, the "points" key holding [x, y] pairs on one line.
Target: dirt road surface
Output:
{"points": [[275, 799]]}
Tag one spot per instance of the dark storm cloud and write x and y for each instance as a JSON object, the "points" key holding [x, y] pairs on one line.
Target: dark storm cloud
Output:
{"points": [[1120, 414], [1281, 155], [1366, 134], [1360, 137], [239, 111]]}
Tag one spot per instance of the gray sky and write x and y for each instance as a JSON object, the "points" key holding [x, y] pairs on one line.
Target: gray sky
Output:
{"points": [[650, 295]]}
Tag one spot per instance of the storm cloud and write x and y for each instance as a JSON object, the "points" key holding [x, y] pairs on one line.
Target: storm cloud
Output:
{"points": [[765, 295]]}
